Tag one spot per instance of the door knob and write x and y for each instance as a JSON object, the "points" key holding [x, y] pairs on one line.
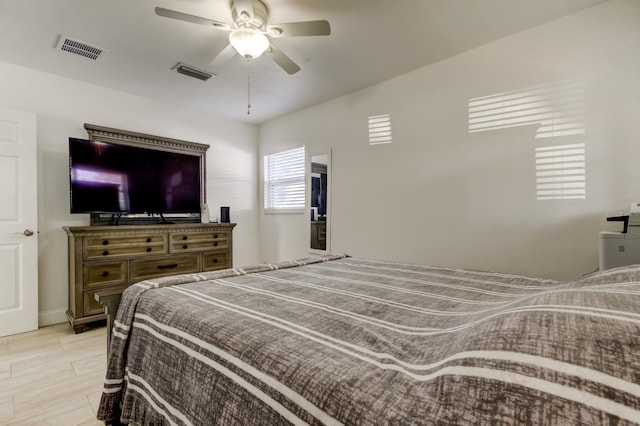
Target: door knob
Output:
{"points": [[28, 232]]}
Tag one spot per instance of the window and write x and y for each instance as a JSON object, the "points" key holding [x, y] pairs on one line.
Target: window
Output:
{"points": [[284, 180]]}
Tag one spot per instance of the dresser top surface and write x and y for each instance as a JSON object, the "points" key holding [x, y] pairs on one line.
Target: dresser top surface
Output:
{"points": [[110, 229]]}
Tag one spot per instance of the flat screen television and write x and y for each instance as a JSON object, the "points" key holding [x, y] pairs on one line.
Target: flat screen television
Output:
{"points": [[123, 179]]}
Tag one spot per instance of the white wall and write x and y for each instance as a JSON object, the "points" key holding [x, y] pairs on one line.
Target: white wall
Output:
{"points": [[441, 195], [62, 107]]}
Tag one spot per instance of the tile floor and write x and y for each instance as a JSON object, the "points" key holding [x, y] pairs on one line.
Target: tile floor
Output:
{"points": [[52, 376]]}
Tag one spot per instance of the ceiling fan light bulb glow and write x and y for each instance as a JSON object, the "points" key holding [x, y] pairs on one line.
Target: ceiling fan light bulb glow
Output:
{"points": [[249, 42]]}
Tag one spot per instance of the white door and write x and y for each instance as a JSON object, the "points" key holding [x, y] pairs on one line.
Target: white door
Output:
{"points": [[18, 222]]}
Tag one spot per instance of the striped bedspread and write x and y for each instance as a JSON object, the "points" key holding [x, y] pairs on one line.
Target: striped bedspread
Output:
{"points": [[338, 340]]}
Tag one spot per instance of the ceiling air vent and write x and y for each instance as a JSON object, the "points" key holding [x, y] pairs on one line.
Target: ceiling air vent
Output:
{"points": [[79, 48], [192, 72]]}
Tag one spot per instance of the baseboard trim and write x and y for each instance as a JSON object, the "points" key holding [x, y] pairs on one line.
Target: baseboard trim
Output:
{"points": [[52, 317]]}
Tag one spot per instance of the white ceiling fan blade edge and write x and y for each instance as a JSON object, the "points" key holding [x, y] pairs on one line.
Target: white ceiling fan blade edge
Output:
{"points": [[225, 56], [181, 16], [283, 61], [300, 29]]}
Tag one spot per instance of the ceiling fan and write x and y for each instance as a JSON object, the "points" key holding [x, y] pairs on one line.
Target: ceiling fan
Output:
{"points": [[249, 34]]}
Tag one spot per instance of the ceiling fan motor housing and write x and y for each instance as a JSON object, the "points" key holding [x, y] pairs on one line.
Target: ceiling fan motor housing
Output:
{"points": [[242, 19]]}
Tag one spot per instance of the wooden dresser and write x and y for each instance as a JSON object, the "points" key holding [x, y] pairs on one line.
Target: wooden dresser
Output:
{"points": [[319, 235], [110, 258]]}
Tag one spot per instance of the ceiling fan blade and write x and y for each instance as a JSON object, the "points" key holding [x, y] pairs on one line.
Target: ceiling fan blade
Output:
{"points": [[167, 13], [244, 9], [297, 29], [223, 57], [282, 60]]}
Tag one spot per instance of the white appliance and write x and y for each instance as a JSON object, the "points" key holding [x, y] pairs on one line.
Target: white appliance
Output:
{"points": [[621, 248]]}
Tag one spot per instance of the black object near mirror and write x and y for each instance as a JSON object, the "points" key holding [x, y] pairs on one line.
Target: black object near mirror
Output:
{"points": [[319, 189]]}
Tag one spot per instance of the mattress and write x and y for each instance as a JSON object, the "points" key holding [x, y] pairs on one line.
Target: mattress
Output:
{"points": [[339, 340]]}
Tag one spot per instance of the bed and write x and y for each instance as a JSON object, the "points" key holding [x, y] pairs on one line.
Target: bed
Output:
{"points": [[338, 340]]}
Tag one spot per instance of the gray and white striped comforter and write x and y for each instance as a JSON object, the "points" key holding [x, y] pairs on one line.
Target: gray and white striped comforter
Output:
{"points": [[337, 340]]}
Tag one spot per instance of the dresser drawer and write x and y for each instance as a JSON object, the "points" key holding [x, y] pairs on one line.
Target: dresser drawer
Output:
{"points": [[213, 261], [104, 273], [143, 269], [124, 246], [197, 241]]}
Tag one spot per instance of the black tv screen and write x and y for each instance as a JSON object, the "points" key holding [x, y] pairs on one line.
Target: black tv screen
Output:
{"points": [[114, 178]]}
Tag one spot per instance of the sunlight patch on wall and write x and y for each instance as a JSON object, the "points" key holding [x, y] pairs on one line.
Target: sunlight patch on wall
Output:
{"points": [[560, 172], [558, 109], [379, 129]]}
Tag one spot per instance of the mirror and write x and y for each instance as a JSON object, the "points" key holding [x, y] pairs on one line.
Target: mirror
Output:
{"points": [[319, 203]]}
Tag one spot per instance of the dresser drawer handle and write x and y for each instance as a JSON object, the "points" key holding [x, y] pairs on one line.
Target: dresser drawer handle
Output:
{"points": [[105, 242], [105, 253], [215, 244], [148, 249], [215, 235], [105, 274], [169, 266], [184, 246], [215, 260], [184, 237], [148, 240]]}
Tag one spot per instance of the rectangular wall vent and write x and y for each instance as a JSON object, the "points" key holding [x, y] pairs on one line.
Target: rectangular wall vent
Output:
{"points": [[79, 48], [192, 72]]}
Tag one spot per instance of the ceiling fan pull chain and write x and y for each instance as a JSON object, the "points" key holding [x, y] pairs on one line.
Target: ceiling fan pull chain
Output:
{"points": [[248, 88]]}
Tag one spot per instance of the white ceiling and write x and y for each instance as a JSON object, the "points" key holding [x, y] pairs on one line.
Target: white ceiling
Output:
{"points": [[371, 41]]}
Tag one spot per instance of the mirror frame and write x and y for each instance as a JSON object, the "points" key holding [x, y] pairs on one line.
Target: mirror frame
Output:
{"points": [[310, 155]]}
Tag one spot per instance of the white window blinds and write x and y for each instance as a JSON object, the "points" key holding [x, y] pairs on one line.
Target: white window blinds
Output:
{"points": [[284, 183]]}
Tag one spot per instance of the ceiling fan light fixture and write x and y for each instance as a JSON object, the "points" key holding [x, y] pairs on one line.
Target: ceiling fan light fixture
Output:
{"points": [[249, 42]]}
